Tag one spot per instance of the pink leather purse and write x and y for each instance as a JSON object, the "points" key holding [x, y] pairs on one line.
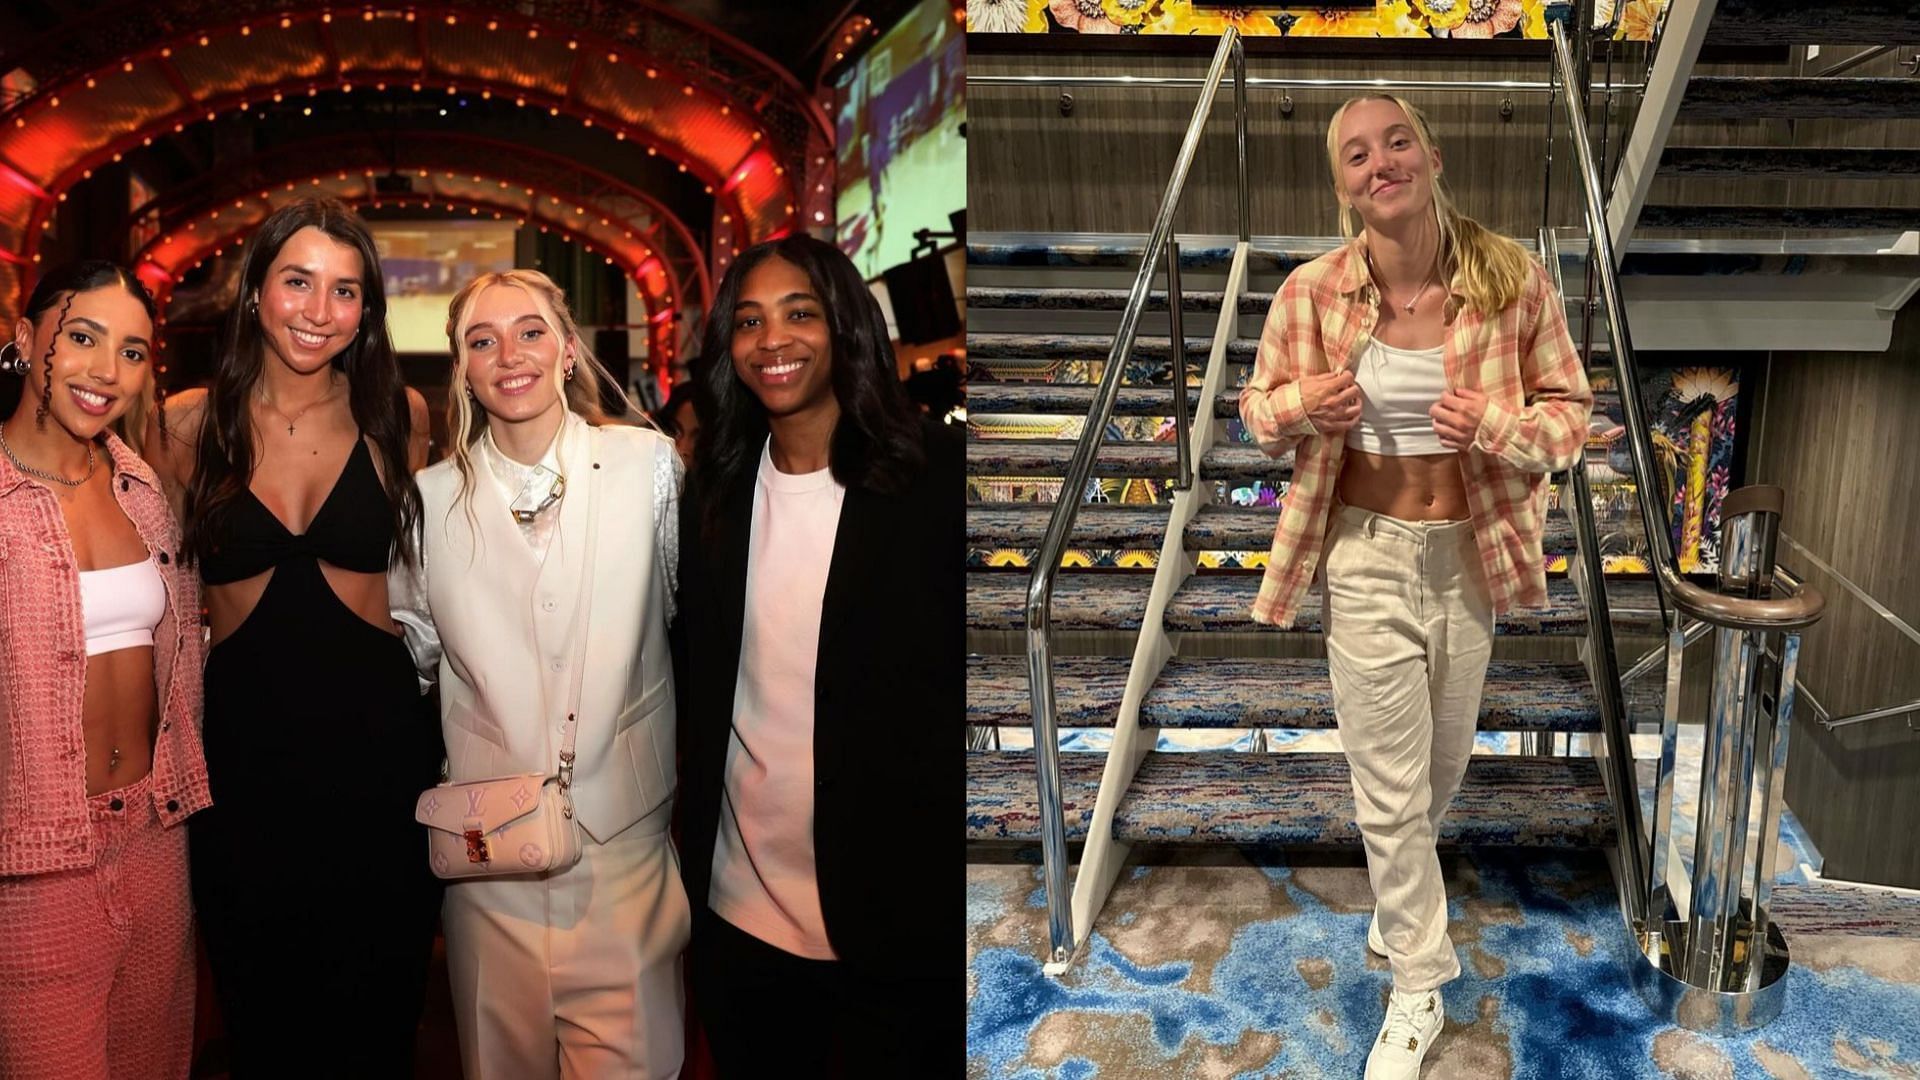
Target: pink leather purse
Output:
{"points": [[521, 823]]}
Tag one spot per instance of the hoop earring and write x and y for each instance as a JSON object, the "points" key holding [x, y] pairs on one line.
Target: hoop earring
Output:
{"points": [[11, 361], [569, 375]]}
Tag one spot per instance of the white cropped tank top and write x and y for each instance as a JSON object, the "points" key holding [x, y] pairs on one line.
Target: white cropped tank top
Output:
{"points": [[1397, 387], [121, 606]]}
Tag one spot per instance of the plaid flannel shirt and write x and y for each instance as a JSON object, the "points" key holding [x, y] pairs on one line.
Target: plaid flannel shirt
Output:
{"points": [[1538, 404]]}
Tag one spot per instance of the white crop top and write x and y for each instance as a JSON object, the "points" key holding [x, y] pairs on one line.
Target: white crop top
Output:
{"points": [[121, 606], [1397, 387]]}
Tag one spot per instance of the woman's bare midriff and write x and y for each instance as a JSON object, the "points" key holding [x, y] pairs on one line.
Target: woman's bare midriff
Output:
{"points": [[120, 711], [363, 594], [1418, 487]]}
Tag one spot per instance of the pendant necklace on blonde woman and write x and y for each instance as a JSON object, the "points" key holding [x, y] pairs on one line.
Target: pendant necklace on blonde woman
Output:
{"points": [[1407, 307]]}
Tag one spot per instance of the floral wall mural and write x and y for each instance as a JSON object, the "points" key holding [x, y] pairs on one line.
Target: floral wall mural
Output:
{"points": [[1637, 19]]}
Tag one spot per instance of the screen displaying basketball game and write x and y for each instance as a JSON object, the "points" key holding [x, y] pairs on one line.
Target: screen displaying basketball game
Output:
{"points": [[425, 263], [902, 164]]}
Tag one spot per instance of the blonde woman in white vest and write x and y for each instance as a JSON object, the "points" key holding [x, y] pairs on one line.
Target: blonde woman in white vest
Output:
{"points": [[572, 972]]}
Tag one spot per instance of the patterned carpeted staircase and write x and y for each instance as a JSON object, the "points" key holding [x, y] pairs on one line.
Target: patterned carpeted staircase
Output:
{"points": [[1770, 168], [1041, 316]]}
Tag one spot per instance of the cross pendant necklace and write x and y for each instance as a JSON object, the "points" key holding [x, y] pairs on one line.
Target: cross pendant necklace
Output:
{"points": [[291, 420]]}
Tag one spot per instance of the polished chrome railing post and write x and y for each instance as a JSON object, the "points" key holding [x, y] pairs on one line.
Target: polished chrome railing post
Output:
{"points": [[1177, 328], [1613, 750], [1073, 489], [1240, 131], [1722, 970]]}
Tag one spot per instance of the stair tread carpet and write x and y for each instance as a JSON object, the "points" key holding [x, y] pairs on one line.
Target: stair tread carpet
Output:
{"points": [[1307, 799], [1221, 692], [993, 346], [1820, 907], [997, 600], [1790, 162], [1152, 460], [1746, 97], [1794, 22], [1222, 602], [1779, 217], [1141, 526], [1002, 798], [1076, 298]]}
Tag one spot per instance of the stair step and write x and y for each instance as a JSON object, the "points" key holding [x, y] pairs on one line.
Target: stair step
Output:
{"points": [[1002, 794], [1117, 600], [1113, 525], [1231, 797], [1819, 907], [1076, 399], [1218, 692], [1222, 602], [1790, 162], [1749, 97], [992, 346], [1780, 217], [1099, 600], [1790, 22], [1097, 525], [1063, 298], [1235, 462], [1119, 252]]}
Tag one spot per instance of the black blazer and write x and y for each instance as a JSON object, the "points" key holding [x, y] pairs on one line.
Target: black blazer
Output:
{"points": [[889, 708]]}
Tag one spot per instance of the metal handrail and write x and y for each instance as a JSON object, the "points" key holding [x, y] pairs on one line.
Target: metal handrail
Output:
{"points": [[1046, 745], [1622, 783], [1804, 606], [1448, 86], [1827, 719]]}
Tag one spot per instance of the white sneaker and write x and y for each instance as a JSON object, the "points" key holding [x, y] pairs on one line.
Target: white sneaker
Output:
{"points": [[1376, 944], [1413, 1021]]}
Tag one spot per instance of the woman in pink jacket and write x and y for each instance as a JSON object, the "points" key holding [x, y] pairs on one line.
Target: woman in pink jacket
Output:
{"points": [[99, 700]]}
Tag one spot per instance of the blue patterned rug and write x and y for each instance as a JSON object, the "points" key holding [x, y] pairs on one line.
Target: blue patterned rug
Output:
{"points": [[1233, 970]]}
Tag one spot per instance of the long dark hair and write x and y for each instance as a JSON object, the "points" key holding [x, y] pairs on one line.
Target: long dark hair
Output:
{"points": [[876, 443], [59, 286], [378, 398]]}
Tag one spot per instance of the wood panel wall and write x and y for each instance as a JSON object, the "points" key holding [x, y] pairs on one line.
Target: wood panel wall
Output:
{"points": [[1104, 167], [1837, 432]]}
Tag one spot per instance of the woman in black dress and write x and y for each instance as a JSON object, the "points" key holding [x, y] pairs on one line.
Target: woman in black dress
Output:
{"points": [[309, 874], [822, 772]]}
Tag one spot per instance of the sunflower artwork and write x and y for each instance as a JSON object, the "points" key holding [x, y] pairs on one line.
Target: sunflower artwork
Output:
{"points": [[1456, 19]]}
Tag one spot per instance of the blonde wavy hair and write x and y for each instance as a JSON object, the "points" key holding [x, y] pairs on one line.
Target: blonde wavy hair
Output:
{"points": [[1492, 270], [584, 395]]}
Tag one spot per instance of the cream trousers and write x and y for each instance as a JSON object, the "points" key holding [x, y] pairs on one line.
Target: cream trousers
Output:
{"points": [[574, 975], [1409, 629]]}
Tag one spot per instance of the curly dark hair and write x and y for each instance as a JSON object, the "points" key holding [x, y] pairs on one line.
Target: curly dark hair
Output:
{"points": [[59, 286], [877, 441], [223, 468]]}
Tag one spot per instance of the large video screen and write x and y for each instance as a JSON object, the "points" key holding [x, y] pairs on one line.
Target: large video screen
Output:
{"points": [[903, 159], [425, 263]]}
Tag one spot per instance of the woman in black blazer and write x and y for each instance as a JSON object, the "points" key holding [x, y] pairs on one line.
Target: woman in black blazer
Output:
{"points": [[822, 772]]}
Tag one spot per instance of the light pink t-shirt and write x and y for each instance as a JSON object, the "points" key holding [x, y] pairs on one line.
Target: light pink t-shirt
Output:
{"points": [[763, 869]]}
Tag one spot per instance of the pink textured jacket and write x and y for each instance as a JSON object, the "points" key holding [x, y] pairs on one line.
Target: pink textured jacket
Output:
{"points": [[43, 671]]}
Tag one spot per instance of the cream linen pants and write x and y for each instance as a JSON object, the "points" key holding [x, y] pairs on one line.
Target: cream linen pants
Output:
{"points": [[573, 975], [1409, 629]]}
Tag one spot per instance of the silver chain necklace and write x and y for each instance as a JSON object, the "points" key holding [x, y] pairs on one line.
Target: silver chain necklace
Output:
{"points": [[1418, 293], [51, 477]]}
